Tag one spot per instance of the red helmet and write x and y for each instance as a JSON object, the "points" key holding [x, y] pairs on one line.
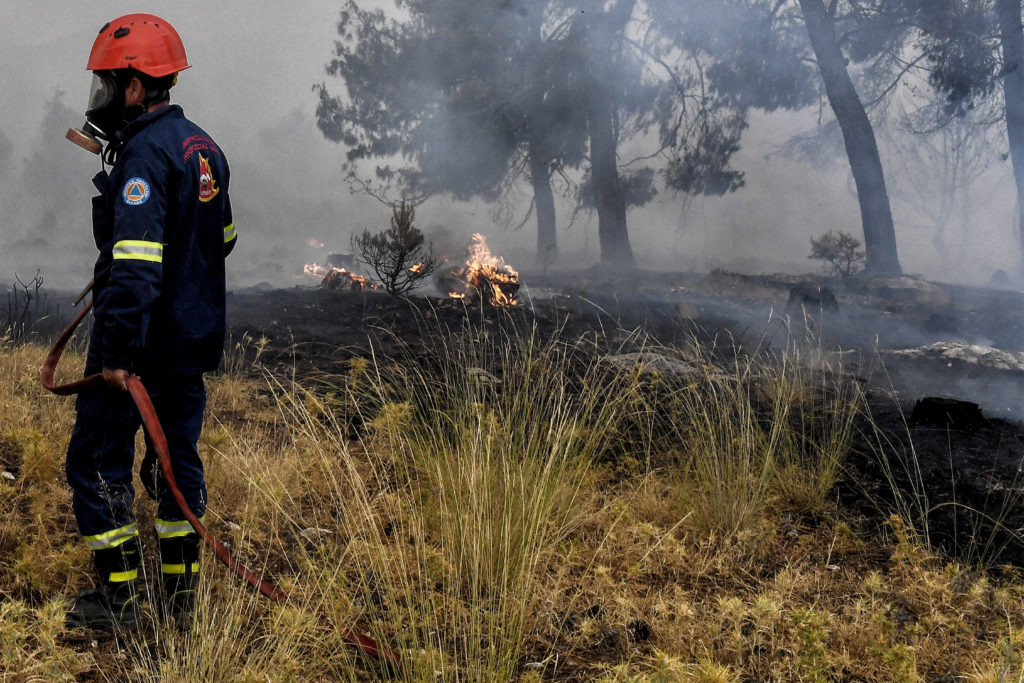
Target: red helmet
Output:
{"points": [[143, 42]]}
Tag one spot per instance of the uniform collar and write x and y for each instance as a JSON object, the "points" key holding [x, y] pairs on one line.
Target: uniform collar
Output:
{"points": [[169, 111]]}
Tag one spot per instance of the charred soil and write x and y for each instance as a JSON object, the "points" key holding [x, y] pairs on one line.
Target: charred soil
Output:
{"points": [[902, 339]]}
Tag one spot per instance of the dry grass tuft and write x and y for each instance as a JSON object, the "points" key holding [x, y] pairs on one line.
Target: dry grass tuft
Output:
{"points": [[512, 509]]}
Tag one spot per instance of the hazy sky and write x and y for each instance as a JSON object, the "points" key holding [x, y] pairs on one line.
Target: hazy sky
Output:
{"points": [[250, 86], [251, 59]]}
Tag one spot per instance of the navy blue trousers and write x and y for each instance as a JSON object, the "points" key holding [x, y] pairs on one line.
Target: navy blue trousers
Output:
{"points": [[102, 453]]}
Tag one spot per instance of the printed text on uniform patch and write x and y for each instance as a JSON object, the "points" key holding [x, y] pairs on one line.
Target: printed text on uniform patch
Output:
{"points": [[135, 192], [207, 185], [198, 143]]}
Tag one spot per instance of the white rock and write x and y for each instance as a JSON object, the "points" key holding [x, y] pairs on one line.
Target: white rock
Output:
{"points": [[985, 356], [909, 290], [650, 362]]}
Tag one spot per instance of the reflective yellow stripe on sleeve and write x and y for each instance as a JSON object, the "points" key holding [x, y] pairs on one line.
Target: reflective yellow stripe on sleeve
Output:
{"points": [[229, 233], [111, 539], [139, 250], [178, 568]]}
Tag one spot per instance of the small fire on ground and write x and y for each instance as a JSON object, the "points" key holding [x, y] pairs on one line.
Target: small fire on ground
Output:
{"points": [[338, 278], [485, 273]]}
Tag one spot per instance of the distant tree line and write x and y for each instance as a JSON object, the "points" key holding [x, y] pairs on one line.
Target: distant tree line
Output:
{"points": [[470, 99]]}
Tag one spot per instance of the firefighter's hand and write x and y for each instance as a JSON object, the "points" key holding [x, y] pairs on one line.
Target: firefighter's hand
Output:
{"points": [[116, 378]]}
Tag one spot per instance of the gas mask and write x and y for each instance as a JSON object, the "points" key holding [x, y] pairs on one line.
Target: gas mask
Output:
{"points": [[106, 114]]}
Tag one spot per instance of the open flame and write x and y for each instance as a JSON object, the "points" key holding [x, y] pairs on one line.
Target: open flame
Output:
{"points": [[338, 278], [488, 274]]}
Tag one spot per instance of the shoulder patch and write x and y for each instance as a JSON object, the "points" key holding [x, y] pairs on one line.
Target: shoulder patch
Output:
{"points": [[135, 192], [207, 184]]}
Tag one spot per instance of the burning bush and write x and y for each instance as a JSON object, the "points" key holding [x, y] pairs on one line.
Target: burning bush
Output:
{"points": [[399, 256], [341, 279], [484, 273]]}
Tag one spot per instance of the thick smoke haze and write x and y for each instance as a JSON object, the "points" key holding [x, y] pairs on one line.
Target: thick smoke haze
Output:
{"points": [[253, 67], [250, 87]]}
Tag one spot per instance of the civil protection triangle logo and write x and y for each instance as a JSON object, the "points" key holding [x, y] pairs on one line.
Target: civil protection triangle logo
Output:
{"points": [[135, 192], [207, 185]]}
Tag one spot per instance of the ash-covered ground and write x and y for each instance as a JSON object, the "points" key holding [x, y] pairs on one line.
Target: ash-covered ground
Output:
{"points": [[904, 339]]}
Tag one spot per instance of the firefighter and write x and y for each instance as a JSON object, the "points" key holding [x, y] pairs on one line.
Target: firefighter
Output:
{"points": [[163, 226]]}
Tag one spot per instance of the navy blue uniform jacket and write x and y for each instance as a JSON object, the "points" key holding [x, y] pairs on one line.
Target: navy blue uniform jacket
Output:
{"points": [[163, 225]]}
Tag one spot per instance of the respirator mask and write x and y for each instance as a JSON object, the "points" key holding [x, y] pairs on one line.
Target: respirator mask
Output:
{"points": [[106, 114]]}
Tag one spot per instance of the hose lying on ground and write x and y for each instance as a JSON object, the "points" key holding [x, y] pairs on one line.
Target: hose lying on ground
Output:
{"points": [[363, 641]]}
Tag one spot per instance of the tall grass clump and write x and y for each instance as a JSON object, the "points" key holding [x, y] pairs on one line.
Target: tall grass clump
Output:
{"points": [[757, 430], [238, 635], [812, 408], [471, 467], [495, 507]]}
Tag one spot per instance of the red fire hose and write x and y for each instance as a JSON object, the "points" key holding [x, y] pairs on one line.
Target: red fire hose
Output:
{"points": [[361, 640]]}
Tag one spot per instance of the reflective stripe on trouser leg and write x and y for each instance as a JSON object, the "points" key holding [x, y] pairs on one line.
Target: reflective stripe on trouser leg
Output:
{"points": [[179, 555], [175, 529], [118, 564], [179, 403], [111, 539], [118, 568], [179, 567], [99, 468]]}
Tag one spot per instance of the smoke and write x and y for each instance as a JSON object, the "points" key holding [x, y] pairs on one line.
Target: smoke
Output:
{"points": [[254, 65], [46, 212], [250, 87]]}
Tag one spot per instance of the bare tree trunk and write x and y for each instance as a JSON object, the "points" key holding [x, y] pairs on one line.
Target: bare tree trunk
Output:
{"points": [[543, 198], [604, 171], [1012, 39], [859, 137], [538, 142], [604, 35], [544, 204]]}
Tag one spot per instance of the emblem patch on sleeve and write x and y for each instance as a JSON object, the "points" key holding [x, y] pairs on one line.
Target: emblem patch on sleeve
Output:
{"points": [[207, 185], [135, 192]]}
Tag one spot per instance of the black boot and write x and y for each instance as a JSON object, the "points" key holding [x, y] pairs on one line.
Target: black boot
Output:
{"points": [[179, 563], [116, 604]]}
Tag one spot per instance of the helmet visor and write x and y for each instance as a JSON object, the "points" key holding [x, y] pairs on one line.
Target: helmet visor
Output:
{"points": [[102, 92]]}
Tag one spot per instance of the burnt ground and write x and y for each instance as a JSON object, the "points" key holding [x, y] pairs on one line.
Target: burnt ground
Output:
{"points": [[955, 469]]}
